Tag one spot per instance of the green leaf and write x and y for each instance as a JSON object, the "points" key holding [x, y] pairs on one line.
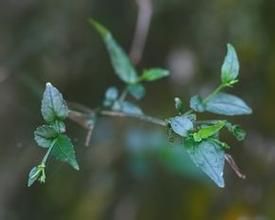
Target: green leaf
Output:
{"points": [[44, 135], [238, 132], [154, 74], [111, 93], [63, 150], [226, 104], [53, 106], [181, 125], [37, 173], [33, 176], [179, 105], [127, 107], [111, 96], [196, 103], [209, 157], [137, 90], [230, 67], [119, 59], [208, 131]]}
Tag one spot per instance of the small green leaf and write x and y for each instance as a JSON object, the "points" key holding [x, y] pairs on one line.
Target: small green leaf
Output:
{"points": [[33, 176], [196, 103], [179, 105], [230, 67], [111, 93], [226, 104], [127, 107], [37, 173], [208, 131], [119, 59], [53, 106], [209, 157], [154, 74], [238, 132], [44, 135], [63, 150], [137, 90], [181, 125], [111, 96]]}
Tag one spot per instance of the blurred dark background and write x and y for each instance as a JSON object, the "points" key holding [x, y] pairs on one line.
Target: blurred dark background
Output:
{"points": [[129, 172]]}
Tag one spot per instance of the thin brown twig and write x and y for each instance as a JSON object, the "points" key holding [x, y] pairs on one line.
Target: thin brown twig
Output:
{"points": [[84, 119], [144, 17], [234, 166]]}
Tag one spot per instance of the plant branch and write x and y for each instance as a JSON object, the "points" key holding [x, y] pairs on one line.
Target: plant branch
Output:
{"points": [[82, 118], [146, 118]]}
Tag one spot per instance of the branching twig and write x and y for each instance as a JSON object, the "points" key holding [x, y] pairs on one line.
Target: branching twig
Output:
{"points": [[83, 119], [234, 166], [145, 11]]}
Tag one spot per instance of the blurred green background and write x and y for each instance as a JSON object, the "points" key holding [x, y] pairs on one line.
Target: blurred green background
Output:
{"points": [[129, 172]]}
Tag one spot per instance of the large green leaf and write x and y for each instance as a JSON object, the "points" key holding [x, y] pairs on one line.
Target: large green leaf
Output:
{"points": [[226, 104], [181, 125], [209, 157], [230, 67], [63, 150], [44, 135], [53, 105], [120, 61]]}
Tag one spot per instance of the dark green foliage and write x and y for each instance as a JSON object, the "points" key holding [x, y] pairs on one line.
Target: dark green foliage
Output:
{"points": [[63, 150], [200, 139], [51, 136]]}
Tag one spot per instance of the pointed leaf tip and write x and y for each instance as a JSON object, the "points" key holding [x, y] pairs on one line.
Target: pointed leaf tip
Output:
{"points": [[209, 157], [53, 105], [99, 27]]}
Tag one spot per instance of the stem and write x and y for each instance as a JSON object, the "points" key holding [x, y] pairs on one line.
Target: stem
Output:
{"points": [[45, 158], [215, 92], [123, 95], [145, 118], [82, 117]]}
